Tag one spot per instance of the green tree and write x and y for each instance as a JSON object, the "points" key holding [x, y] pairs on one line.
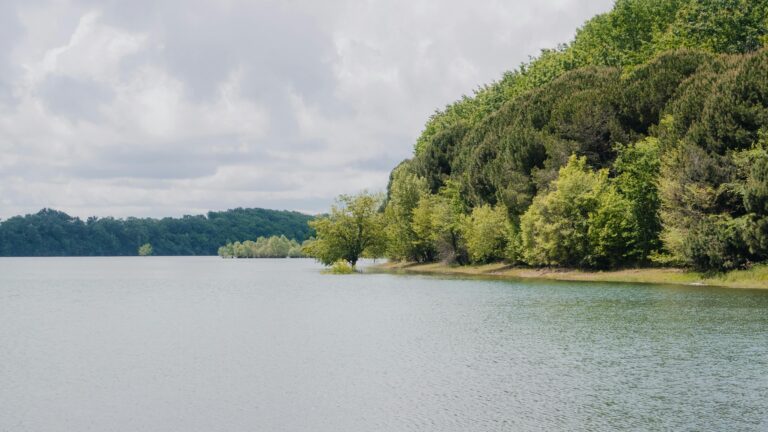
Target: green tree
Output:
{"points": [[581, 221], [637, 167], [488, 233], [145, 249], [353, 228], [226, 251], [405, 191], [613, 231], [423, 225], [439, 219]]}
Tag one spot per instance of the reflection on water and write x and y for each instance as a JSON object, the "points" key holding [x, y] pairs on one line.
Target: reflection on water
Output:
{"points": [[203, 344]]}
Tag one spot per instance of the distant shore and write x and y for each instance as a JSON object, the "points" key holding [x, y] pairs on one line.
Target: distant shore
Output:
{"points": [[754, 278]]}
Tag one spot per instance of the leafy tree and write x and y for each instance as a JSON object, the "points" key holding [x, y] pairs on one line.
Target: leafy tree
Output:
{"points": [[440, 219], [554, 230], [403, 243], [488, 233], [637, 167], [718, 242], [145, 249], [613, 231], [582, 221], [353, 228], [423, 224]]}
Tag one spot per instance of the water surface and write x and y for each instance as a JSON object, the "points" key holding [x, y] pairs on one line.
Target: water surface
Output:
{"points": [[205, 344]]}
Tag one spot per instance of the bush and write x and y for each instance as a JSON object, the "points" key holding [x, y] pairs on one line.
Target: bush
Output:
{"points": [[341, 267]]}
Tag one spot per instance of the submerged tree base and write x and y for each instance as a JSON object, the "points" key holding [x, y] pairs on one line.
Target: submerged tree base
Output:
{"points": [[756, 277]]}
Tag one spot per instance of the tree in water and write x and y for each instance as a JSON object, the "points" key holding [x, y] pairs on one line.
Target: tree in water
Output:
{"points": [[353, 229]]}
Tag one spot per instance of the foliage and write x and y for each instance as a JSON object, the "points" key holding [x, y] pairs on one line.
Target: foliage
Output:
{"points": [[488, 234], [555, 229], [403, 242], [717, 242], [582, 221], [438, 221], [341, 267], [631, 34], [613, 231], [354, 228], [145, 249], [680, 82], [54, 233], [637, 169], [263, 247], [713, 166], [727, 26]]}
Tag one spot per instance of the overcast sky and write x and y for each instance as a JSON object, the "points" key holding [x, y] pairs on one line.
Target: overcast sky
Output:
{"points": [[164, 108]]}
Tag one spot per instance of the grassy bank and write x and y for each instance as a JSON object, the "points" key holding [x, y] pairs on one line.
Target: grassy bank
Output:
{"points": [[756, 277]]}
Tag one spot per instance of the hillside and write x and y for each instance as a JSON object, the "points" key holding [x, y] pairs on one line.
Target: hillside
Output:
{"points": [[643, 141], [54, 233]]}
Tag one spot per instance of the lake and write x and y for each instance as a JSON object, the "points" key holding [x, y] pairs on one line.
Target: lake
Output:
{"points": [[206, 344]]}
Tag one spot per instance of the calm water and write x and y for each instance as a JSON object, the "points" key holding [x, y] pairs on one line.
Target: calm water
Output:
{"points": [[204, 344]]}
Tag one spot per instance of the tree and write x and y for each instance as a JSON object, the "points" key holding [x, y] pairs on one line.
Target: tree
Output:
{"points": [[353, 228], [405, 191], [145, 249], [438, 222], [637, 167], [423, 225], [613, 231], [583, 221], [488, 232]]}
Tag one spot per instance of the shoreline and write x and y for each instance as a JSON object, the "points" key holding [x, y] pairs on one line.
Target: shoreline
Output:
{"points": [[755, 278]]}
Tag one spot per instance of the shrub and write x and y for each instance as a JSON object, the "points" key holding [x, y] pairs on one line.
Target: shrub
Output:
{"points": [[341, 267]]}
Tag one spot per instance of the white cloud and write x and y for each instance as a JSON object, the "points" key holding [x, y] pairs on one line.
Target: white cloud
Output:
{"points": [[94, 51]]}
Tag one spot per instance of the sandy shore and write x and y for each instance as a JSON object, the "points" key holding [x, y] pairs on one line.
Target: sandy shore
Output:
{"points": [[755, 278]]}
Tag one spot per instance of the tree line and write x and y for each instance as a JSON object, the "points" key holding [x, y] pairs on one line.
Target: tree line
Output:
{"points": [[55, 233], [642, 142], [263, 247]]}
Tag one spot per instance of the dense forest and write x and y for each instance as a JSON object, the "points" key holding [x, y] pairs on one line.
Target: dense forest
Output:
{"points": [[54, 233], [644, 141]]}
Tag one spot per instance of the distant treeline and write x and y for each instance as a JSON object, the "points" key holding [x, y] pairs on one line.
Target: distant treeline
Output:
{"points": [[263, 247], [54, 233]]}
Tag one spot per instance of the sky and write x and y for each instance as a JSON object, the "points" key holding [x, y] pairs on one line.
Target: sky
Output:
{"points": [[164, 108]]}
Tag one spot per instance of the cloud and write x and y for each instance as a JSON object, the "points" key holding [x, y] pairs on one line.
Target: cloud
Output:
{"points": [[155, 108]]}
